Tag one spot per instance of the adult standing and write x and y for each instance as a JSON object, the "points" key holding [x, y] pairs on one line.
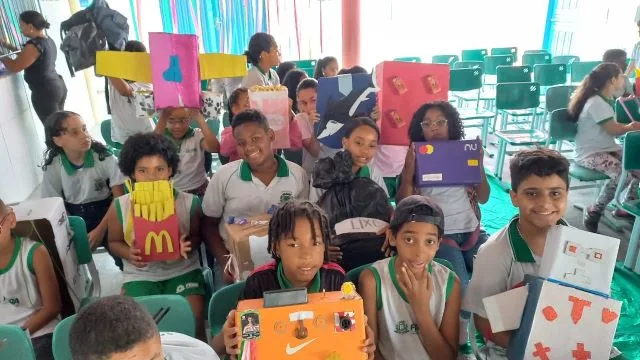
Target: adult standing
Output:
{"points": [[38, 60]]}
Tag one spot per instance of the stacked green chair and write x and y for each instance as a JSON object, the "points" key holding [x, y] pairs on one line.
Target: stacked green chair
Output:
{"points": [[444, 59], [565, 59], [511, 74], [513, 51], [491, 63], [540, 51], [308, 66], [15, 343], [631, 162], [105, 131], [469, 83], [414, 59], [474, 54], [469, 65], [550, 74], [222, 302], [535, 58], [580, 69]]}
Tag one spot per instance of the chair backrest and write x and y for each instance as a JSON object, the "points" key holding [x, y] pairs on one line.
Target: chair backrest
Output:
{"points": [[630, 158], [444, 59], [308, 66], [516, 96], [179, 319], [550, 74], [558, 96], [632, 106], [536, 58], [80, 239], [506, 74], [61, 347], [491, 62], [565, 59], [214, 126], [469, 64], [414, 59], [222, 302], [513, 51], [580, 69], [15, 343], [540, 51], [561, 127], [465, 79], [474, 54]]}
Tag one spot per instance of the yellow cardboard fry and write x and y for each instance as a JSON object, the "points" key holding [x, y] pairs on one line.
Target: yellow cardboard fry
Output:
{"points": [[145, 212], [152, 212], [169, 208], [160, 212], [136, 210]]}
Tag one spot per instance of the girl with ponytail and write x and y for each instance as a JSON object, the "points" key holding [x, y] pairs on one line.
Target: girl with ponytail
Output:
{"points": [[263, 54]]}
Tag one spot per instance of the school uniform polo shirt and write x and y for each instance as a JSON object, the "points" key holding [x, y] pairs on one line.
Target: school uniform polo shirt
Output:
{"points": [[255, 76], [500, 265], [271, 277], [79, 185], [234, 191], [191, 173], [367, 171], [591, 137]]}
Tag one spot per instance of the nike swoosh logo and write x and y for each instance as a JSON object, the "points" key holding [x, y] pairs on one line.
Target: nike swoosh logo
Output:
{"points": [[292, 350]]}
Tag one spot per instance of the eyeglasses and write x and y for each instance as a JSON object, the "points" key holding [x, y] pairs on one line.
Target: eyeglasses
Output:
{"points": [[438, 124], [75, 132]]}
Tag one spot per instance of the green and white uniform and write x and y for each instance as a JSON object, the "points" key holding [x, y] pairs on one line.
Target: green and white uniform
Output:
{"points": [[399, 336], [19, 293], [591, 137]]}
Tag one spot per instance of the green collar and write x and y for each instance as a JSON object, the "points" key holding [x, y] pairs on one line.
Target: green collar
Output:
{"points": [[265, 73], [314, 287], [246, 175], [521, 251], [364, 172], [71, 168], [611, 102], [16, 250], [394, 277]]}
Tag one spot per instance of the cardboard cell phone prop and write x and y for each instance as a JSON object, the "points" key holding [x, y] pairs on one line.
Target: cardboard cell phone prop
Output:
{"points": [[273, 102], [295, 325], [340, 98], [448, 163], [154, 221], [174, 66], [403, 88]]}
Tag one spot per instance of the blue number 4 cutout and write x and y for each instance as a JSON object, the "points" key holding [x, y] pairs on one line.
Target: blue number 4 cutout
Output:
{"points": [[173, 73]]}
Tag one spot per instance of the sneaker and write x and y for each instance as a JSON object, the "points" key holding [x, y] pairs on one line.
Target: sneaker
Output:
{"points": [[591, 220]]}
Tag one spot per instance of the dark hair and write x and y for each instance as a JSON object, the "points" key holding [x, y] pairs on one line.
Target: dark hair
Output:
{"points": [[134, 46], [291, 81], [250, 116], [456, 127], [34, 18], [590, 86], [283, 224], [284, 68], [258, 43], [353, 70], [321, 65], [147, 144], [233, 100], [616, 56], [357, 122], [309, 83], [53, 127], [540, 162], [110, 325]]}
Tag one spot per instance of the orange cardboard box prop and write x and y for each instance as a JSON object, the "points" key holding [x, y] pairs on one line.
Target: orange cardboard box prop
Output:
{"points": [[248, 245], [154, 221], [292, 324]]}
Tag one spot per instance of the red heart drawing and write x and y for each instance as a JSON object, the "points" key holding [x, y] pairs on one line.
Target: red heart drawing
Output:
{"points": [[608, 315], [549, 313]]}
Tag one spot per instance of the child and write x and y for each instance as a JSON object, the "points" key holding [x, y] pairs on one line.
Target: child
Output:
{"points": [[153, 157], [411, 301], [306, 99], [298, 237], [360, 140], [191, 176], [124, 121], [263, 54], [592, 107], [28, 286], [326, 67], [619, 57], [291, 81], [238, 102], [81, 171], [249, 187], [117, 327], [539, 189]]}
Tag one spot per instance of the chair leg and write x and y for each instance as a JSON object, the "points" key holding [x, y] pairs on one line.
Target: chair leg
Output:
{"points": [[632, 257]]}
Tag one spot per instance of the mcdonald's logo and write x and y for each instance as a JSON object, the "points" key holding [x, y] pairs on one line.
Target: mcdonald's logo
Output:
{"points": [[157, 238]]}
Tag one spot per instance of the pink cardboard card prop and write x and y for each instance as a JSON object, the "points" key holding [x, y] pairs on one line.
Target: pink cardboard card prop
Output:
{"points": [[273, 102], [404, 87]]}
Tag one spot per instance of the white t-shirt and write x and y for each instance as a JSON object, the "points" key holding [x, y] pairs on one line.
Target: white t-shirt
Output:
{"points": [[178, 346], [591, 137], [459, 217], [234, 191], [83, 185], [191, 173], [368, 171], [124, 121], [256, 77]]}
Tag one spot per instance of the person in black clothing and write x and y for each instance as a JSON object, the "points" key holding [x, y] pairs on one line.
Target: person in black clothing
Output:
{"points": [[38, 60]]}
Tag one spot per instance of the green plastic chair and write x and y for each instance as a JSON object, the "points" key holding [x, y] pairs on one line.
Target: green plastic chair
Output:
{"points": [[491, 63], [308, 66], [556, 97], [550, 74], [513, 51], [509, 74], [474, 54], [80, 239], [15, 343], [61, 347], [179, 319], [633, 108], [444, 59], [565, 59], [222, 302], [535, 58], [105, 131], [225, 120], [469, 65], [466, 85], [630, 162], [539, 51], [414, 59], [580, 69]]}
